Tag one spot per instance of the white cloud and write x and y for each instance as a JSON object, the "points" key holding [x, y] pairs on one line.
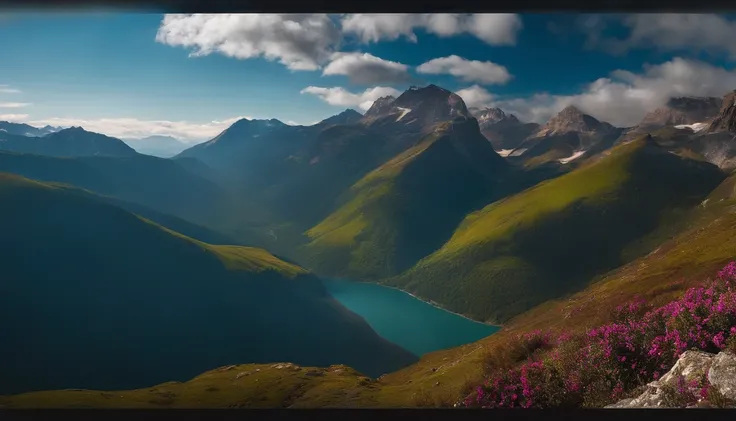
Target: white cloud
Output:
{"points": [[625, 97], [366, 68], [665, 31], [475, 96], [494, 29], [16, 118], [299, 41], [13, 104], [133, 128], [6, 89], [340, 97], [467, 70]]}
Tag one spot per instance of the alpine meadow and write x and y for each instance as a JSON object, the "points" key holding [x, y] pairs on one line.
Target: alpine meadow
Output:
{"points": [[367, 210]]}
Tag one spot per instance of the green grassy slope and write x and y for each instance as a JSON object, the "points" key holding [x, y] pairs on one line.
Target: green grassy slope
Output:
{"points": [[92, 296], [696, 251], [408, 207], [550, 239]]}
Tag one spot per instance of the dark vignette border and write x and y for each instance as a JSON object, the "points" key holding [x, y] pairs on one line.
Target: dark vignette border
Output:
{"points": [[371, 414], [375, 6], [345, 6]]}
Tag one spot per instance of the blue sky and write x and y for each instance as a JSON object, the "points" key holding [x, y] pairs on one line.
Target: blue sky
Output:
{"points": [[132, 75]]}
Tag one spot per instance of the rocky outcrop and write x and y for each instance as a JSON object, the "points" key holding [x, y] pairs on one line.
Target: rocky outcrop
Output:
{"points": [[572, 119], [720, 371], [382, 105], [722, 374], [504, 131], [726, 119], [682, 110]]}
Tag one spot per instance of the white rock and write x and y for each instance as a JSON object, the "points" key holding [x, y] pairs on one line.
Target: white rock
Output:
{"points": [[722, 374]]}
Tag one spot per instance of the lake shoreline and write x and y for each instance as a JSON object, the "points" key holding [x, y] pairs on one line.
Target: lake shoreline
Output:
{"points": [[432, 303], [436, 305]]}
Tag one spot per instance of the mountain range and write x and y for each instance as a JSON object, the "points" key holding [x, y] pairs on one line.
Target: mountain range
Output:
{"points": [[471, 209], [22, 129]]}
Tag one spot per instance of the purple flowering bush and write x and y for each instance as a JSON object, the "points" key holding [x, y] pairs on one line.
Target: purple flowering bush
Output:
{"points": [[613, 361]]}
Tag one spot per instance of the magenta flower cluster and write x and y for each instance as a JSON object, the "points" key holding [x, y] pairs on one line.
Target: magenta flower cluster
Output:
{"points": [[639, 345]]}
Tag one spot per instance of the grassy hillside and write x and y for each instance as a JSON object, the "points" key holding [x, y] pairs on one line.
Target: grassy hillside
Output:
{"points": [[441, 378], [92, 296], [548, 240], [408, 207]]}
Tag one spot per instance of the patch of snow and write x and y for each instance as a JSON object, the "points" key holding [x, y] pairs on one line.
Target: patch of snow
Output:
{"points": [[572, 157], [404, 111], [504, 152], [518, 152], [696, 127]]}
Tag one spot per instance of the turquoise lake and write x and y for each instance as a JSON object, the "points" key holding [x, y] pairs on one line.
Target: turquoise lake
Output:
{"points": [[416, 326]]}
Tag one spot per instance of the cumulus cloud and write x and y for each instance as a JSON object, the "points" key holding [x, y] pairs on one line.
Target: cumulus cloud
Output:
{"points": [[6, 89], [624, 97], [493, 29], [299, 41], [13, 104], [341, 97], [15, 118], [367, 69], [664, 31], [467, 70], [475, 96], [131, 128]]}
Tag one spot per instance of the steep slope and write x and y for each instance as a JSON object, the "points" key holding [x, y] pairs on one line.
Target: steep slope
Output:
{"points": [[159, 184], [160, 146], [413, 114], [298, 173], [693, 253], [408, 207], [95, 297], [72, 142], [566, 137], [546, 241], [725, 121], [505, 132]]}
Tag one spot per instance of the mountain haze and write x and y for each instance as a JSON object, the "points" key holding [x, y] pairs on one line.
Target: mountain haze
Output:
{"points": [[71, 142], [120, 302], [160, 146], [22, 129], [158, 184]]}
